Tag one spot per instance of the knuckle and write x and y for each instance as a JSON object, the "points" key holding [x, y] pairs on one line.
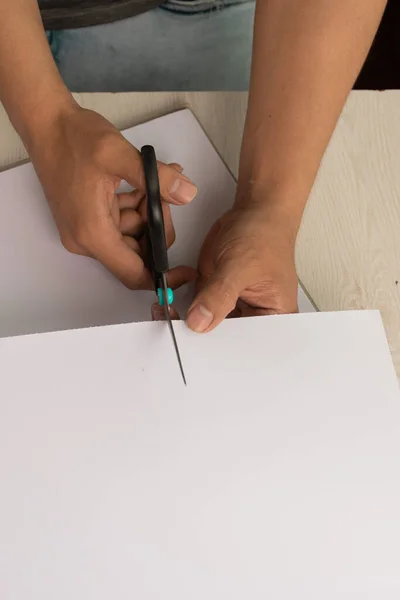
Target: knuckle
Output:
{"points": [[225, 290], [84, 237], [71, 244], [163, 169], [68, 243], [167, 175], [83, 234]]}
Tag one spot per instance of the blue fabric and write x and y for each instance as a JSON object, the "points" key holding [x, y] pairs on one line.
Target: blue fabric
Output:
{"points": [[166, 49], [193, 6]]}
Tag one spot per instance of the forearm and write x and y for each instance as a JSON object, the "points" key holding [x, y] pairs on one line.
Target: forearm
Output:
{"points": [[306, 57], [31, 88]]}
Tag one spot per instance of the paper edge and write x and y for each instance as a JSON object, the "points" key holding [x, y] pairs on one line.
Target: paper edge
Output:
{"points": [[179, 324]]}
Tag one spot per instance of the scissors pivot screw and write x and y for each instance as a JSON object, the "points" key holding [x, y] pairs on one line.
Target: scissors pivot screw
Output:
{"points": [[160, 294]]}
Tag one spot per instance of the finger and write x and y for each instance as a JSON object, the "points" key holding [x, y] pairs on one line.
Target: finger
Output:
{"points": [[142, 206], [131, 223], [174, 187], [175, 190], [168, 225], [235, 314], [217, 299], [245, 310], [133, 244], [179, 276], [120, 256], [130, 199], [158, 313], [168, 222], [176, 166]]}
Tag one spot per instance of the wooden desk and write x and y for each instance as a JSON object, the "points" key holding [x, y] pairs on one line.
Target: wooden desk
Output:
{"points": [[348, 254]]}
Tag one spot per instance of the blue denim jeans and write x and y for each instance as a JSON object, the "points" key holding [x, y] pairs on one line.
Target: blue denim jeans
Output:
{"points": [[181, 46]]}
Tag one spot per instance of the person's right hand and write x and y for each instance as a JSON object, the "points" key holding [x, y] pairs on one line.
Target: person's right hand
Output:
{"points": [[81, 160]]}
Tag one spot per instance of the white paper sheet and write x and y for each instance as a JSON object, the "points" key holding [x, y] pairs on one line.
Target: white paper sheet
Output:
{"points": [[274, 474], [44, 288]]}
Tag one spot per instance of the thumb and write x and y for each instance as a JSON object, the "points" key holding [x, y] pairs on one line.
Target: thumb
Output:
{"points": [[216, 300], [175, 188]]}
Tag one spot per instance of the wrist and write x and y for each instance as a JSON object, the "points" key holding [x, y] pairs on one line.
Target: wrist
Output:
{"points": [[280, 201], [42, 121], [275, 169], [272, 212]]}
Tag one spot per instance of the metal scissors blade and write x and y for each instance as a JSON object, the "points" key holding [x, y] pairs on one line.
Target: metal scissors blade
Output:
{"points": [[170, 326], [157, 247]]}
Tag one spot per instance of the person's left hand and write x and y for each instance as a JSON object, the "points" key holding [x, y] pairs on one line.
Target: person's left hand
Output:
{"points": [[246, 265]]}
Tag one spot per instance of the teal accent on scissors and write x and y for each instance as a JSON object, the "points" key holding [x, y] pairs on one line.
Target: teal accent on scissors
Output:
{"points": [[160, 295]]}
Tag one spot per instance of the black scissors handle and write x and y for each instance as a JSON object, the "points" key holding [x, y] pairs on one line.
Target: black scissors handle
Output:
{"points": [[157, 250], [156, 242]]}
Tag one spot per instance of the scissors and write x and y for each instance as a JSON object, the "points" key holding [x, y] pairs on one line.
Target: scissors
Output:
{"points": [[157, 254]]}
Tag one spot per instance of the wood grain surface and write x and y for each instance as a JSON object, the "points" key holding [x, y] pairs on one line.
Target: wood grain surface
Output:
{"points": [[348, 252]]}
